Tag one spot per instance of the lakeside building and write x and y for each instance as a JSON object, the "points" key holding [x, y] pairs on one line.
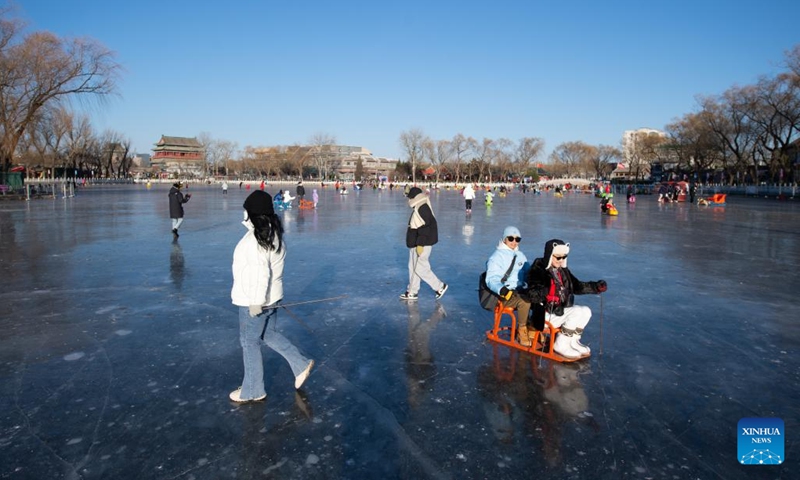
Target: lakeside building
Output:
{"points": [[371, 166], [339, 161]]}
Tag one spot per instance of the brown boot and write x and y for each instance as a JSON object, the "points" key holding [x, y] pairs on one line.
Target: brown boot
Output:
{"points": [[522, 337], [532, 333]]}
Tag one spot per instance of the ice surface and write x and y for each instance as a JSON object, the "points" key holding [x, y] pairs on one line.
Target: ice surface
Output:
{"points": [[120, 345]]}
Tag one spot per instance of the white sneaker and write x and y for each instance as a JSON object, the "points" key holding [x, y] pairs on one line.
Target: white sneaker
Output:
{"points": [[562, 347], [298, 380], [236, 396]]}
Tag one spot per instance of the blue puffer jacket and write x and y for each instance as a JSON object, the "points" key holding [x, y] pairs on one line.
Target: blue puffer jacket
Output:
{"points": [[497, 266]]}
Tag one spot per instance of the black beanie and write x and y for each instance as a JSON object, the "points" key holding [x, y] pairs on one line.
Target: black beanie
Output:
{"points": [[414, 192], [259, 203]]}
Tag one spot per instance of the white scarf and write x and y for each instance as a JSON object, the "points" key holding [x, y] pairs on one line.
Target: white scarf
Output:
{"points": [[416, 220]]}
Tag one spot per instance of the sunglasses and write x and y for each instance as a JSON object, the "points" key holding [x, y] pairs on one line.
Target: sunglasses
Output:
{"points": [[512, 238], [561, 257]]}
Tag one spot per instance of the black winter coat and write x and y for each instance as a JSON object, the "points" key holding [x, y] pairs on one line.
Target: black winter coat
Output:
{"points": [[176, 201], [425, 235], [539, 281]]}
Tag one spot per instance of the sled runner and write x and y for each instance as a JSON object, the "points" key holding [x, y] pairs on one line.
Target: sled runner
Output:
{"points": [[541, 342]]}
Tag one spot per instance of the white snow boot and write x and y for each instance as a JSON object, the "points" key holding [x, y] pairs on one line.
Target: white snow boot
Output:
{"points": [[563, 345], [577, 345]]}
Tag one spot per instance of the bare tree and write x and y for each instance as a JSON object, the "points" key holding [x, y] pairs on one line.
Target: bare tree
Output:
{"points": [[207, 141], [484, 155], [115, 148], [40, 69], [777, 112], [644, 150], [604, 160], [460, 145], [322, 154], [727, 118], [47, 135], [411, 142], [570, 158], [503, 157], [527, 151], [226, 152], [793, 62], [443, 155], [218, 152], [81, 145]]}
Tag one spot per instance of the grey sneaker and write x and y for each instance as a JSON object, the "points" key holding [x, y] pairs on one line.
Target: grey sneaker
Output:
{"points": [[440, 293], [409, 296]]}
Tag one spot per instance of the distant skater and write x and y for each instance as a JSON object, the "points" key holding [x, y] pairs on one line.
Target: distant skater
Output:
{"points": [[176, 201], [258, 262], [469, 196]]}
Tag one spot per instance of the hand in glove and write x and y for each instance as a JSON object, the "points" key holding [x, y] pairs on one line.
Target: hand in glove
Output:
{"points": [[553, 299], [505, 293], [255, 310], [602, 286], [420, 249]]}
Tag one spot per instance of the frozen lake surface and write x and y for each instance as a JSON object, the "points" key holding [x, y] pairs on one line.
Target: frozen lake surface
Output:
{"points": [[120, 346]]}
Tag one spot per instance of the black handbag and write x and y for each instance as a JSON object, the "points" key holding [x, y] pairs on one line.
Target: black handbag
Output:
{"points": [[486, 297]]}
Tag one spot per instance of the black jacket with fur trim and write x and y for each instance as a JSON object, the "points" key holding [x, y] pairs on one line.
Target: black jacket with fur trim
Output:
{"points": [[539, 282]]}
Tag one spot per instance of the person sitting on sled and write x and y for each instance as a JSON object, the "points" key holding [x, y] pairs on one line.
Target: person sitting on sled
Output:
{"points": [[506, 279], [287, 199], [606, 204], [552, 289]]}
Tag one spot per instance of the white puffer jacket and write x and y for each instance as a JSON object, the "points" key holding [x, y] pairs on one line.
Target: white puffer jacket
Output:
{"points": [[257, 273]]}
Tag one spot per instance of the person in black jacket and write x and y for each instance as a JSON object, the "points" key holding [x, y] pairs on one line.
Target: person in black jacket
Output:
{"points": [[421, 235], [176, 201], [552, 289], [301, 192]]}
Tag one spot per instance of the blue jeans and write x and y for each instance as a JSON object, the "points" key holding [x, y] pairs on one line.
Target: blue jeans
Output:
{"points": [[252, 333]]}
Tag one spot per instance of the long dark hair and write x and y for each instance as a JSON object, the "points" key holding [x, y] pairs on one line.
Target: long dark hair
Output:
{"points": [[267, 228]]}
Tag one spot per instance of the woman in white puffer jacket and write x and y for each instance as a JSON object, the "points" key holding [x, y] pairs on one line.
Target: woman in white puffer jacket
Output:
{"points": [[257, 288]]}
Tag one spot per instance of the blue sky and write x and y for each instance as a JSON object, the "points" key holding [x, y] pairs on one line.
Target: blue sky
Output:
{"points": [[276, 73]]}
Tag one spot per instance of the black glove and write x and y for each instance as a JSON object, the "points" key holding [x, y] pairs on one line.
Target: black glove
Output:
{"points": [[505, 293], [602, 286]]}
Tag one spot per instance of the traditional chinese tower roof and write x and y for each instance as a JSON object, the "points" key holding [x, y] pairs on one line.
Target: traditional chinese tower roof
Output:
{"points": [[178, 143], [182, 155]]}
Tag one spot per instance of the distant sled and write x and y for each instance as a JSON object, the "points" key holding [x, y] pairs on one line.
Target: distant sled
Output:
{"points": [[718, 199]]}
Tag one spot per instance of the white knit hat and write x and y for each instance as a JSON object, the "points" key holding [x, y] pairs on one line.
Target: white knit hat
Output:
{"points": [[560, 251]]}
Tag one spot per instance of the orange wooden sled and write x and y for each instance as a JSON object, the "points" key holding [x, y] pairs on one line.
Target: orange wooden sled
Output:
{"points": [[541, 343]]}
